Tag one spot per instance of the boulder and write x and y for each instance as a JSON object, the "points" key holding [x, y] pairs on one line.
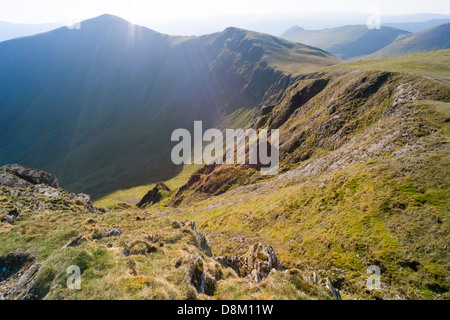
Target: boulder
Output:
{"points": [[336, 294]]}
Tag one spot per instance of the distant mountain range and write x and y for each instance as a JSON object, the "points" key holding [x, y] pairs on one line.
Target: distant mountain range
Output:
{"points": [[416, 27], [346, 42], [15, 30], [436, 38], [350, 42], [99, 104], [276, 24]]}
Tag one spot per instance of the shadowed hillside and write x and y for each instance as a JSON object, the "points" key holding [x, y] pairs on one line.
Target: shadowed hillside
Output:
{"points": [[97, 106]]}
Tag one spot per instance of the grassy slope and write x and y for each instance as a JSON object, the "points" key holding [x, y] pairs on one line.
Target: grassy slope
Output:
{"points": [[133, 195], [434, 65], [108, 274], [391, 210]]}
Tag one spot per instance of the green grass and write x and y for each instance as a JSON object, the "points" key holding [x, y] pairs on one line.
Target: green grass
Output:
{"points": [[434, 65], [162, 273], [134, 195]]}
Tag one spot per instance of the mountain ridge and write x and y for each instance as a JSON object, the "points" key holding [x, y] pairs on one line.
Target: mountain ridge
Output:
{"points": [[347, 42], [436, 38], [110, 93]]}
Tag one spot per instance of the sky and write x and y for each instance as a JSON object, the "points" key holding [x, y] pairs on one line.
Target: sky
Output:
{"points": [[143, 11]]}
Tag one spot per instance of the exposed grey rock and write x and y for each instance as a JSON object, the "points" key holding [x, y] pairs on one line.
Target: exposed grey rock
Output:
{"points": [[255, 276], [73, 242], [25, 281], [315, 278], [405, 93], [256, 265], [15, 175], [197, 274], [202, 241], [336, 294], [85, 200], [11, 216], [17, 270], [112, 233], [38, 206]]}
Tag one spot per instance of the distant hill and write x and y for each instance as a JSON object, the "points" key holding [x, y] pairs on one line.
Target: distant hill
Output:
{"points": [[346, 42], [436, 38], [277, 23], [15, 30], [416, 27], [97, 106]]}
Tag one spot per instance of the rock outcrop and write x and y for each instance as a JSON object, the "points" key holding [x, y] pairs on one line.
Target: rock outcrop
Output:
{"points": [[200, 278], [15, 175], [24, 189], [201, 239], [255, 265], [17, 275], [154, 196]]}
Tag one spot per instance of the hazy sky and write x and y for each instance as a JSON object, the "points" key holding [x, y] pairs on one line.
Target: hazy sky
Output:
{"points": [[139, 11]]}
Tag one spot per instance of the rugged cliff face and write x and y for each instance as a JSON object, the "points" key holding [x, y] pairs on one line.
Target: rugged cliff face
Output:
{"points": [[318, 114], [365, 182]]}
